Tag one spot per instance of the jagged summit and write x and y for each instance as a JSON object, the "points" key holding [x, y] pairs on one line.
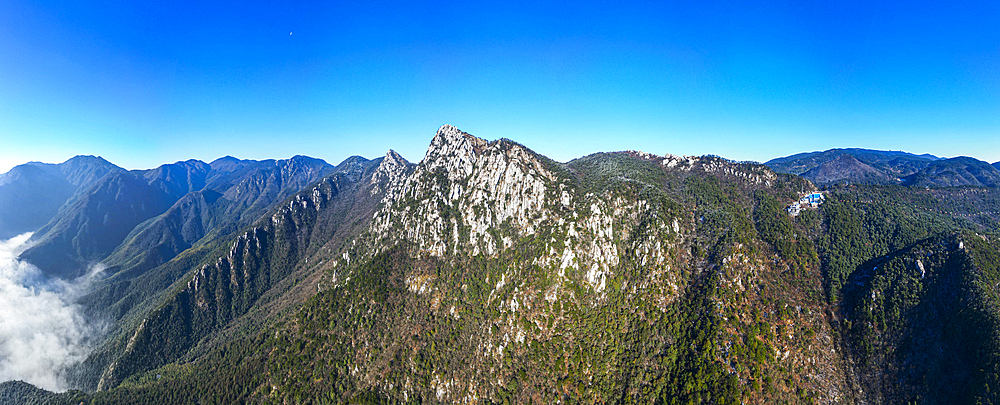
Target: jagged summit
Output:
{"points": [[451, 134], [453, 150], [486, 182], [391, 169], [392, 163], [395, 158], [458, 153]]}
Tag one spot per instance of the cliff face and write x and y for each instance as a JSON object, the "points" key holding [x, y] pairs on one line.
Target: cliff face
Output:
{"points": [[465, 184], [470, 197]]}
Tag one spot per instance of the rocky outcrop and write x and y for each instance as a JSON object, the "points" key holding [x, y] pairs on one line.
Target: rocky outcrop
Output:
{"points": [[469, 196], [604, 228], [390, 172], [463, 187]]}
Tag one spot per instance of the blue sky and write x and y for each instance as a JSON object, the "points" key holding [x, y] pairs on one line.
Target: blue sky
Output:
{"points": [[143, 84]]}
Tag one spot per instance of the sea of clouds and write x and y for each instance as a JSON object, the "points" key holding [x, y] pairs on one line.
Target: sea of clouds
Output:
{"points": [[42, 331]]}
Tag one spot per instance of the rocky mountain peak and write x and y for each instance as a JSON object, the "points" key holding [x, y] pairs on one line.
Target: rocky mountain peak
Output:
{"points": [[454, 151], [394, 159], [392, 169], [450, 133], [353, 167]]}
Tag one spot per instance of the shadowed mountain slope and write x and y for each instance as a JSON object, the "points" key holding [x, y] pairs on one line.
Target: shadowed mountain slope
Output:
{"points": [[254, 267], [923, 322], [129, 207], [960, 171], [31, 194]]}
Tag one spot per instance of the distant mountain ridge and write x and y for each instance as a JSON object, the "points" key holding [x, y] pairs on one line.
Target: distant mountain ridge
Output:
{"points": [[867, 166], [31, 193], [93, 224], [959, 171], [846, 166], [903, 162]]}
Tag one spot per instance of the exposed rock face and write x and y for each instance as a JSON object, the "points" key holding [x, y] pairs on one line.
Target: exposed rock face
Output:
{"points": [[470, 196], [391, 171], [464, 185], [454, 151], [752, 173]]}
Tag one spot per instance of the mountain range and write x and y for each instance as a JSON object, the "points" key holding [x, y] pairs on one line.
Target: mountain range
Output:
{"points": [[488, 273], [865, 166], [31, 194]]}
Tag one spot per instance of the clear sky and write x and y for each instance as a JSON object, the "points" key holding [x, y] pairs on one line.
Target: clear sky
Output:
{"points": [[144, 83]]}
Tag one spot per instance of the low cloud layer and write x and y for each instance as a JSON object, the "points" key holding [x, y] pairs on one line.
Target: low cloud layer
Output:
{"points": [[41, 331]]}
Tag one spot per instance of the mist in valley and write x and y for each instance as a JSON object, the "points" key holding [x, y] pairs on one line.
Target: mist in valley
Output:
{"points": [[42, 331]]}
